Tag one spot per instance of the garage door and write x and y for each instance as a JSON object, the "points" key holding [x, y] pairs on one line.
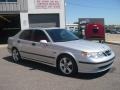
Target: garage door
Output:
{"points": [[44, 20], [9, 26]]}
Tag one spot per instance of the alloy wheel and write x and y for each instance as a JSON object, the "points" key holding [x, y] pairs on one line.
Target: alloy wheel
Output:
{"points": [[16, 55], [66, 66]]}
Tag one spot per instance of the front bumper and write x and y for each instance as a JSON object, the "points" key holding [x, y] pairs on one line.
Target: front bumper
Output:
{"points": [[95, 67]]}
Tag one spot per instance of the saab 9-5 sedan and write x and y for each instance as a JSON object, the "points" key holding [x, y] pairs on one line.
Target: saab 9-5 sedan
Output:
{"points": [[62, 49]]}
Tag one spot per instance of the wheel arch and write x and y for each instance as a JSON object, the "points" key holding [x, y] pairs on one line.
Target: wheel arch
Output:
{"points": [[14, 48]]}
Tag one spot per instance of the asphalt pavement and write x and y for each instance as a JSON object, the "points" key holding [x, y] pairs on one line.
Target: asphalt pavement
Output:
{"points": [[29, 75]]}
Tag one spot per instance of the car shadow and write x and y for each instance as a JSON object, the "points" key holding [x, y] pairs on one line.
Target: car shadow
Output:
{"points": [[89, 76], [42, 67]]}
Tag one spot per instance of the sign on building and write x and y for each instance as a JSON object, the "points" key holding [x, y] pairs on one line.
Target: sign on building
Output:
{"points": [[47, 4]]}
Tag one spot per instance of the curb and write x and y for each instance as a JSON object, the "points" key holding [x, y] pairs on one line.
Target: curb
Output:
{"points": [[113, 43], [2, 46]]}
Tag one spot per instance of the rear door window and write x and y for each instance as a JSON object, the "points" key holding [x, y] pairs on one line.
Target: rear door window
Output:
{"points": [[26, 35]]}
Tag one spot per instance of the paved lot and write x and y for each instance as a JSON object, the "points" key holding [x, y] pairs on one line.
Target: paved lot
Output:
{"points": [[33, 76]]}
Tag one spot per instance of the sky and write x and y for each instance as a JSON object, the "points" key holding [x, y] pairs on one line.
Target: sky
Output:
{"points": [[107, 9]]}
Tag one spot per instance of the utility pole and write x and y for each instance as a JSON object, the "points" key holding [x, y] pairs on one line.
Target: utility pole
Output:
{"points": [[65, 4]]}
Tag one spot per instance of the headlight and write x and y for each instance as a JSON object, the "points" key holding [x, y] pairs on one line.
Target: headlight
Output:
{"points": [[92, 54]]}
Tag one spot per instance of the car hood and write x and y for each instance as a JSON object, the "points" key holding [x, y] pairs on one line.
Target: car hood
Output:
{"points": [[84, 45]]}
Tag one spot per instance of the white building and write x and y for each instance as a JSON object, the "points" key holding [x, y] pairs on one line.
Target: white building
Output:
{"points": [[44, 13], [33, 13], [16, 15], [72, 27]]}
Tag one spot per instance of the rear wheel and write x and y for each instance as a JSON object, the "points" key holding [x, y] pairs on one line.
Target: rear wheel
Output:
{"points": [[16, 55], [67, 65]]}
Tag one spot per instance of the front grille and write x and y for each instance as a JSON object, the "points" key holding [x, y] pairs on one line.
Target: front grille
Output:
{"points": [[107, 53]]}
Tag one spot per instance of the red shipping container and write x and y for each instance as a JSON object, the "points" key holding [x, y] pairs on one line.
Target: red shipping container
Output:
{"points": [[95, 31]]}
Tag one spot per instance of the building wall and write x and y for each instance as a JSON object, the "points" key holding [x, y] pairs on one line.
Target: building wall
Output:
{"points": [[24, 20], [19, 6], [41, 7], [27, 7]]}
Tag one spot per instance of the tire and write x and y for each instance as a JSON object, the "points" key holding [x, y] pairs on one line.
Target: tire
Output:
{"points": [[67, 66], [16, 55]]}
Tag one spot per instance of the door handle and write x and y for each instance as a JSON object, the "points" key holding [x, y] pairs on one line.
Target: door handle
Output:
{"points": [[33, 44]]}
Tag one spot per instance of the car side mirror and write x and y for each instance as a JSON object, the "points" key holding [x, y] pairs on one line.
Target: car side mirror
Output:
{"points": [[43, 41]]}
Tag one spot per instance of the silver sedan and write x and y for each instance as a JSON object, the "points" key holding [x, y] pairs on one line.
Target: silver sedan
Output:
{"points": [[62, 49]]}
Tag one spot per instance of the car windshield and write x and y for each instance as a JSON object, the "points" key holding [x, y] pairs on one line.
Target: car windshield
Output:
{"points": [[61, 35]]}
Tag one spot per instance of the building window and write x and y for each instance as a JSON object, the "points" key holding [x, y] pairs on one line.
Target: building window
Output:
{"points": [[8, 0]]}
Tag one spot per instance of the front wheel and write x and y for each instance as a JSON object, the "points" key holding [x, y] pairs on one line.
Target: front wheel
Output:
{"points": [[67, 65], [16, 55]]}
